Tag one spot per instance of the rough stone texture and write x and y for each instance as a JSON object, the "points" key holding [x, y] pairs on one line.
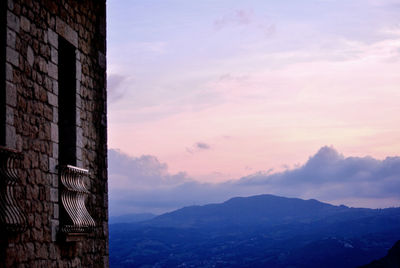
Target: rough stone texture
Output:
{"points": [[31, 72], [11, 38], [30, 56], [25, 24]]}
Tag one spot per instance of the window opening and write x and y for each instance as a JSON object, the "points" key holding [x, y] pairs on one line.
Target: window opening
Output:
{"points": [[66, 102]]}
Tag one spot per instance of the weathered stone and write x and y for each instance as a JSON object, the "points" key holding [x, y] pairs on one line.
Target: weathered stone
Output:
{"points": [[42, 65], [55, 211], [55, 115], [12, 56], [78, 71], [48, 114], [79, 137], [53, 162], [55, 87], [48, 84], [32, 98], [34, 160], [37, 234], [79, 153], [45, 51], [52, 70], [54, 132], [66, 32], [30, 250], [44, 163], [9, 72], [52, 99], [42, 251], [54, 180], [54, 230], [9, 115], [52, 38], [11, 38], [25, 24], [30, 56], [54, 55], [78, 117], [11, 94], [12, 21], [53, 194], [35, 194], [10, 136], [79, 163], [21, 253], [52, 252]]}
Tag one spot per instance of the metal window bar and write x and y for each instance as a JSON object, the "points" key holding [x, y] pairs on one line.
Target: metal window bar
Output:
{"points": [[12, 219], [73, 197]]}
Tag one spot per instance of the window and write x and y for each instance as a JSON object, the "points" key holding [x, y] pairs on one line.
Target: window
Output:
{"points": [[66, 102], [74, 217]]}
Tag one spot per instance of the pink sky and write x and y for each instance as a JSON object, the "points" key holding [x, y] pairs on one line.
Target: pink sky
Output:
{"points": [[223, 91]]}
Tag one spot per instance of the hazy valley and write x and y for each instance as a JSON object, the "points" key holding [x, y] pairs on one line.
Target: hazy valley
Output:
{"points": [[257, 231]]}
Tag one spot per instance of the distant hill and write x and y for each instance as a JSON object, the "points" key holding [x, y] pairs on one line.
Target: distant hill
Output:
{"points": [[265, 210], [257, 231], [130, 218]]}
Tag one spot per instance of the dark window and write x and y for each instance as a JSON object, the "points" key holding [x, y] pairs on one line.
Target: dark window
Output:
{"points": [[66, 102], [3, 32]]}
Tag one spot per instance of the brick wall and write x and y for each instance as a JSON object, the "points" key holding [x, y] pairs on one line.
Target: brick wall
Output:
{"points": [[31, 127]]}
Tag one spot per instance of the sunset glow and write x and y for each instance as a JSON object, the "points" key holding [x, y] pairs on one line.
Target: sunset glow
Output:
{"points": [[263, 87], [224, 89]]}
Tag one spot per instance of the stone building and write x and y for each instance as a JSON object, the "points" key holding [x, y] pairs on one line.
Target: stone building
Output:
{"points": [[53, 134]]}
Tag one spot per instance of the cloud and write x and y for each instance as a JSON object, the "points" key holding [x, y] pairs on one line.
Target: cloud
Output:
{"points": [[328, 171], [331, 177], [144, 172], [198, 146], [202, 146], [143, 184]]}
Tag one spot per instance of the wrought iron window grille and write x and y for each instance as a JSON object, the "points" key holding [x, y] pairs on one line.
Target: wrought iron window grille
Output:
{"points": [[75, 218], [12, 218]]}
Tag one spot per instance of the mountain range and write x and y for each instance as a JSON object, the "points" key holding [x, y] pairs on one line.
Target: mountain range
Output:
{"points": [[257, 231]]}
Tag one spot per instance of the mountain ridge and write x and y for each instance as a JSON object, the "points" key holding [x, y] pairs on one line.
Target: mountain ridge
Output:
{"points": [[260, 209], [257, 231]]}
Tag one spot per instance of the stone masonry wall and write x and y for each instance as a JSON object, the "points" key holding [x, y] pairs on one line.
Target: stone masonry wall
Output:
{"points": [[31, 74]]}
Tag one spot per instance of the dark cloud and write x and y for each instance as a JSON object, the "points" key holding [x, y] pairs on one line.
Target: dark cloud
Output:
{"points": [[134, 182], [198, 146], [143, 184], [202, 146], [143, 171], [328, 170]]}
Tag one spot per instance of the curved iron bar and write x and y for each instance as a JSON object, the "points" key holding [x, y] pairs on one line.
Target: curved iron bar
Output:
{"points": [[73, 197], [11, 217]]}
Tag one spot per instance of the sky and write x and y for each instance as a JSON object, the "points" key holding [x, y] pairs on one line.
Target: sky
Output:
{"points": [[217, 98]]}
